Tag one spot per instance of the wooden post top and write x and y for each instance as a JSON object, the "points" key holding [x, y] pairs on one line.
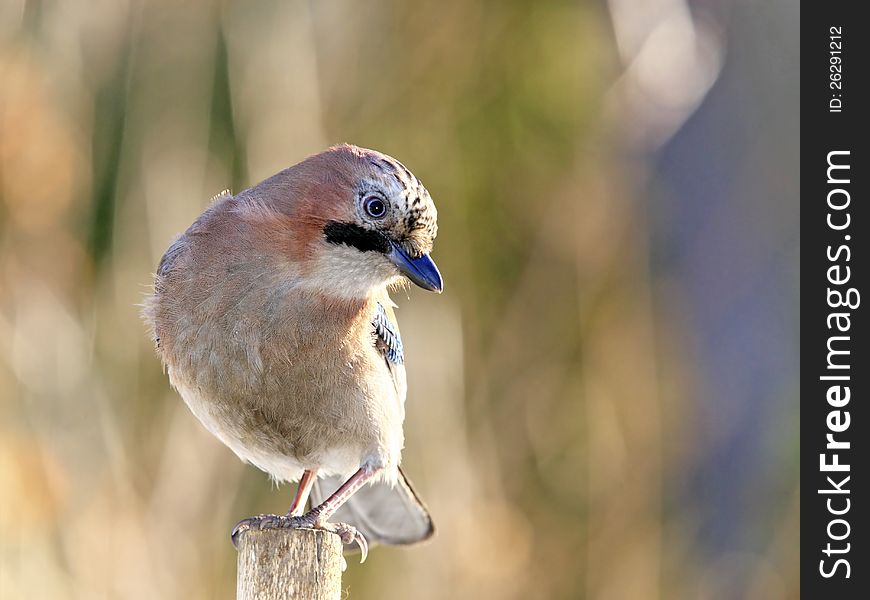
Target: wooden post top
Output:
{"points": [[289, 564]]}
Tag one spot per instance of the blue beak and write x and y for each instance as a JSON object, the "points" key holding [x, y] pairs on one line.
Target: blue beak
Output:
{"points": [[422, 271]]}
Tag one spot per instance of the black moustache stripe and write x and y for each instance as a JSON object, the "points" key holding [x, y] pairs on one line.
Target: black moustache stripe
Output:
{"points": [[349, 234]]}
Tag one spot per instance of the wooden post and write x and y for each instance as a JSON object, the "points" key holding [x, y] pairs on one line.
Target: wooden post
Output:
{"points": [[289, 564]]}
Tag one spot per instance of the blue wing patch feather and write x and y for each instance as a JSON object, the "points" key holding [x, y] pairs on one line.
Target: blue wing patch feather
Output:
{"points": [[387, 338]]}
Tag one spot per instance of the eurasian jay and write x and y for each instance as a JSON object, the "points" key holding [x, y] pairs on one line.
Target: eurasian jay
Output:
{"points": [[272, 317]]}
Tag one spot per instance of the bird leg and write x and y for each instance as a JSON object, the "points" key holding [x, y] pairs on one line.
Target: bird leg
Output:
{"points": [[302, 492], [317, 517], [321, 513]]}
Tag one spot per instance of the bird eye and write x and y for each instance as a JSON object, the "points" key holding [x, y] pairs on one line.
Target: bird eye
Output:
{"points": [[375, 207]]}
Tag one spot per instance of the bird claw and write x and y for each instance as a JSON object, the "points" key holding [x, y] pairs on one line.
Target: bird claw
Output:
{"points": [[347, 533], [261, 522]]}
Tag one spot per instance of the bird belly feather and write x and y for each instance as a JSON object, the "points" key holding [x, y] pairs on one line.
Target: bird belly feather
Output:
{"points": [[258, 450]]}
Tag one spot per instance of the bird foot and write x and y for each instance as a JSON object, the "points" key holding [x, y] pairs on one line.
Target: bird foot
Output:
{"points": [[261, 522], [347, 533]]}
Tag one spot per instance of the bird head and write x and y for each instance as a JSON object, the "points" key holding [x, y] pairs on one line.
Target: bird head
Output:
{"points": [[363, 221]]}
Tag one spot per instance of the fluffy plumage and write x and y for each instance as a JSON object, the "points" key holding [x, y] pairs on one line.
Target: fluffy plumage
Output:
{"points": [[272, 316]]}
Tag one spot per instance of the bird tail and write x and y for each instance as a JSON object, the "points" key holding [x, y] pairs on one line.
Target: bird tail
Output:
{"points": [[384, 514]]}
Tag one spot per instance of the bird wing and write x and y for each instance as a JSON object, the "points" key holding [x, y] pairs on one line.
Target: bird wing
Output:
{"points": [[387, 338], [384, 513], [389, 343]]}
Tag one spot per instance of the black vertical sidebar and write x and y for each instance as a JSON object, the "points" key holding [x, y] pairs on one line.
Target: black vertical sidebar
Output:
{"points": [[835, 222]]}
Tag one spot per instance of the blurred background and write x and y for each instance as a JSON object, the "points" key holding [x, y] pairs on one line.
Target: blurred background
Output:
{"points": [[603, 403]]}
